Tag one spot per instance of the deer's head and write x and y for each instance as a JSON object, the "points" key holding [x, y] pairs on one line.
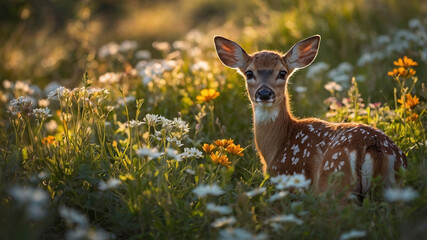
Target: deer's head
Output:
{"points": [[267, 72]]}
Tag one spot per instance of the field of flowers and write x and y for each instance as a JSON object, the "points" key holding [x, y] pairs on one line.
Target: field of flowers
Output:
{"points": [[155, 141]]}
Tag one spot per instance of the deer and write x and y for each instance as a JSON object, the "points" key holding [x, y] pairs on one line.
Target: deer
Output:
{"points": [[308, 146]]}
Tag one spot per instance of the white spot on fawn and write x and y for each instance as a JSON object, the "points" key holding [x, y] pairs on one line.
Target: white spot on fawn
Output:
{"points": [[295, 160], [335, 156], [391, 177], [326, 167], [295, 148], [367, 171], [311, 128], [284, 158], [353, 163], [305, 138]]}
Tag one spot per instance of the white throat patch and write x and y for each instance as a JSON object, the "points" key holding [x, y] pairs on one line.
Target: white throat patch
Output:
{"points": [[265, 113]]}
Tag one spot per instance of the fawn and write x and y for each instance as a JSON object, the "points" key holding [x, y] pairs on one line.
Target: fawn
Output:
{"points": [[310, 146]]}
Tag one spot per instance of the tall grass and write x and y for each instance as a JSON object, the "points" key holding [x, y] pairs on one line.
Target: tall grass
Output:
{"points": [[126, 154]]}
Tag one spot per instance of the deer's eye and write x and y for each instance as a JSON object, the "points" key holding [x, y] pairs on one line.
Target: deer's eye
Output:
{"points": [[282, 74], [249, 74]]}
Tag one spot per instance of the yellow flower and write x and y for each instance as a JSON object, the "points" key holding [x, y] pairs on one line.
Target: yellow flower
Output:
{"points": [[412, 118], [405, 62], [114, 144], [223, 142], [221, 159], [207, 95], [235, 149], [403, 72], [48, 140], [410, 101], [208, 148]]}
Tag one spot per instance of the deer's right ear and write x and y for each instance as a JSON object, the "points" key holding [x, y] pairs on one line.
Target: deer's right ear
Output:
{"points": [[230, 53]]}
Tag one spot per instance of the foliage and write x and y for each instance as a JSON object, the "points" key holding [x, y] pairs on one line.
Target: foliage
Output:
{"points": [[146, 148]]}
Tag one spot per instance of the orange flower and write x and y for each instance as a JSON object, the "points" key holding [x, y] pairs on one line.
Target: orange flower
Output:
{"points": [[223, 142], [410, 101], [208, 148], [412, 118], [235, 149], [48, 140], [405, 62], [402, 72], [220, 159], [207, 95]]}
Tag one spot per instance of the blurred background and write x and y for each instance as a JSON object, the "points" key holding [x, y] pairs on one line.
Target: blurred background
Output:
{"points": [[57, 40]]}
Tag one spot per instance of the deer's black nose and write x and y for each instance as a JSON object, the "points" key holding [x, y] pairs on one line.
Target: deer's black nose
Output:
{"points": [[265, 94]]}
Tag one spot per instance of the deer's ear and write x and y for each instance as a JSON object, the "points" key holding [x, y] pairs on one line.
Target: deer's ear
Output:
{"points": [[230, 53], [303, 53]]}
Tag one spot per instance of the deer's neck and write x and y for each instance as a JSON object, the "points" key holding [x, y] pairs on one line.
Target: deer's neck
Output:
{"points": [[272, 125]]}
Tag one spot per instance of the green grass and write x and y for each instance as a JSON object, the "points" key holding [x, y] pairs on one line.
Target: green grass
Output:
{"points": [[93, 167]]}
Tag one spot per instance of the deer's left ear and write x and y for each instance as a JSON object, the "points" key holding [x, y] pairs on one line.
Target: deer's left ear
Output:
{"points": [[303, 53]]}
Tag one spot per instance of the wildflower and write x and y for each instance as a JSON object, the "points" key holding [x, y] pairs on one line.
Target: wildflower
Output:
{"points": [[298, 181], [316, 69], [286, 218], [135, 123], [200, 66], [223, 221], [223, 142], [281, 181], [208, 148], [51, 125], [240, 234], [190, 171], [411, 101], [277, 196], [110, 78], [43, 103], [112, 183], [162, 46], [42, 113], [405, 62], [7, 84], [404, 195], [204, 190], [180, 125], [221, 159], [300, 89], [175, 141], [353, 234], [127, 46], [191, 153], [143, 54], [151, 153], [72, 216], [256, 192], [332, 87], [172, 153], [402, 72], [207, 95], [33, 199], [412, 118], [59, 93], [234, 149], [21, 105], [109, 49], [151, 120], [48, 140], [218, 209]]}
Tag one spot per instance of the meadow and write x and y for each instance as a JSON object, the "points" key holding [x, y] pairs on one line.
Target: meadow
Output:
{"points": [[118, 121]]}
